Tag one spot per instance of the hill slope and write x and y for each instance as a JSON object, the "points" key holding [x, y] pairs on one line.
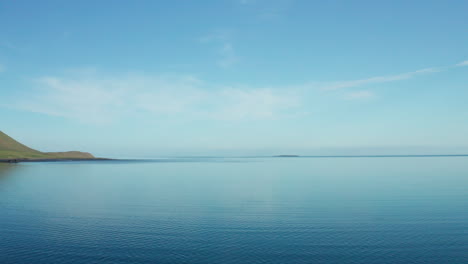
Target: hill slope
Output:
{"points": [[12, 149]]}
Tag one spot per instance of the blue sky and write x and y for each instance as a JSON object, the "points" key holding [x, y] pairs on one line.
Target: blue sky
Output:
{"points": [[235, 77]]}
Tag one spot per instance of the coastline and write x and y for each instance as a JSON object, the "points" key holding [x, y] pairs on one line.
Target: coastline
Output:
{"points": [[50, 160], [21, 160]]}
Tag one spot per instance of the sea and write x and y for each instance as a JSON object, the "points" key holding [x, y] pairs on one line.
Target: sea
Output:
{"points": [[362, 210]]}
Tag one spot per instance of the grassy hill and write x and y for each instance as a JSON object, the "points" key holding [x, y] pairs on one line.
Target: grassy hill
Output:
{"points": [[12, 149]]}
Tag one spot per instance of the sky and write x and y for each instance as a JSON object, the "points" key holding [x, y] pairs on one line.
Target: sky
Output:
{"points": [[235, 77]]}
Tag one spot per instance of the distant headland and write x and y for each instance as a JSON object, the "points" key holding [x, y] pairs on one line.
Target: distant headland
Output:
{"points": [[12, 151]]}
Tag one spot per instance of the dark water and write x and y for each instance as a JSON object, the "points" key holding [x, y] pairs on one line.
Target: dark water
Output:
{"points": [[278, 210]]}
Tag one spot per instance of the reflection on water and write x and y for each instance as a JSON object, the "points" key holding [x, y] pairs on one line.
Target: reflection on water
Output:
{"points": [[363, 210], [4, 170]]}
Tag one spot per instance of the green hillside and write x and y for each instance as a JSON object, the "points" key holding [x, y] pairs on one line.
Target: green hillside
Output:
{"points": [[12, 149]]}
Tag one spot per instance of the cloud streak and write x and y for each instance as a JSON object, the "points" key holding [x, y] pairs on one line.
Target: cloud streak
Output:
{"points": [[462, 64], [378, 79], [101, 100], [89, 96], [330, 86]]}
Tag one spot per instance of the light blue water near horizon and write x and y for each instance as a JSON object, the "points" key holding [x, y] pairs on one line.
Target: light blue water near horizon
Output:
{"points": [[236, 210]]}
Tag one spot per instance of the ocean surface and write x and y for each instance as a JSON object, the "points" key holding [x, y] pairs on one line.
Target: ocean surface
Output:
{"points": [[236, 210]]}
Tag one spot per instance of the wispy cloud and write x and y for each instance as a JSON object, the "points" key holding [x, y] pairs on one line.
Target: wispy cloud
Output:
{"points": [[463, 63], [228, 56], [91, 96], [216, 36], [99, 100], [257, 103], [224, 48], [377, 79], [330, 86], [359, 95]]}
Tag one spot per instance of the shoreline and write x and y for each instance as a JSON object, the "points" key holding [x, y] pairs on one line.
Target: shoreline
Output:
{"points": [[50, 160], [12, 161]]}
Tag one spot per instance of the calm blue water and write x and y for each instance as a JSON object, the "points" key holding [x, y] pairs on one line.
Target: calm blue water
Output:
{"points": [[271, 210]]}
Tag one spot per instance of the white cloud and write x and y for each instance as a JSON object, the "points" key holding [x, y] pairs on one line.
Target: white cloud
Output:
{"points": [[224, 48], [463, 63], [263, 103], [383, 79], [101, 100], [89, 96], [378, 79], [357, 95]]}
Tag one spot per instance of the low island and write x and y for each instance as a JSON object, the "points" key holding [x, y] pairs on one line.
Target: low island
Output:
{"points": [[12, 151]]}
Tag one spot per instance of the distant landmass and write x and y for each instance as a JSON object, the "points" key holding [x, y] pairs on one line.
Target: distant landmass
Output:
{"points": [[12, 150], [286, 156]]}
